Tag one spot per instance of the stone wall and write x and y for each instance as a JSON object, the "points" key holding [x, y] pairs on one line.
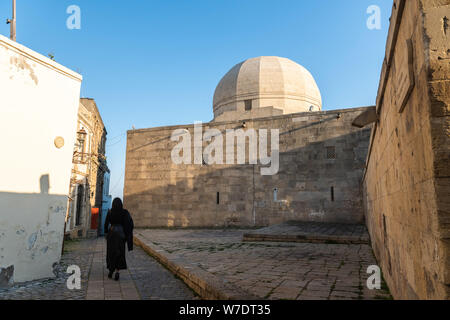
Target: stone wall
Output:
{"points": [[406, 184], [319, 179]]}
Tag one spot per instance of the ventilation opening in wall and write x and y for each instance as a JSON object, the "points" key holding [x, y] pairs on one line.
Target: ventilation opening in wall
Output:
{"points": [[248, 105], [331, 152], [332, 193], [218, 198]]}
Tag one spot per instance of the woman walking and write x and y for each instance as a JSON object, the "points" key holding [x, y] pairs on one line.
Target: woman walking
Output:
{"points": [[121, 231]]}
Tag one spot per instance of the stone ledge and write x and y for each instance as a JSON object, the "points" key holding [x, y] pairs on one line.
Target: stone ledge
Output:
{"points": [[306, 238], [311, 232], [206, 285]]}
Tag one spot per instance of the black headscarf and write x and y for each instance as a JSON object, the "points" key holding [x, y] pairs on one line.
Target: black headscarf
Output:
{"points": [[116, 214], [117, 206]]}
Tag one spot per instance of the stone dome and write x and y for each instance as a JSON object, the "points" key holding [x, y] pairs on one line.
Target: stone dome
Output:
{"points": [[265, 86]]}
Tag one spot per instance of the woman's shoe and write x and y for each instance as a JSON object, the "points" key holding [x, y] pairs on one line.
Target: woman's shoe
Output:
{"points": [[110, 274], [116, 277]]}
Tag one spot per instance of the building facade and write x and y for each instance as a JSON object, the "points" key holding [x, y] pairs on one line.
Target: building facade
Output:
{"points": [[88, 170], [320, 157], [38, 114]]}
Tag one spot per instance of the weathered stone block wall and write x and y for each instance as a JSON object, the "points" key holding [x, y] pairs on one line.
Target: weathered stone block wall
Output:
{"points": [[160, 193], [406, 185]]}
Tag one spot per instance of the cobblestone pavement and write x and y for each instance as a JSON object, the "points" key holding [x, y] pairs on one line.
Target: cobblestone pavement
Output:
{"points": [[144, 279], [272, 270], [75, 253], [153, 281]]}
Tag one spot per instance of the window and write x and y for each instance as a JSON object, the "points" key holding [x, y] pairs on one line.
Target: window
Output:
{"points": [[81, 137], [275, 194], [82, 144], [332, 193], [218, 198], [331, 152], [80, 194], [248, 105]]}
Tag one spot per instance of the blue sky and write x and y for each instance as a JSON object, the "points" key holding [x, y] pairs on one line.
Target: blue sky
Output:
{"points": [[153, 63]]}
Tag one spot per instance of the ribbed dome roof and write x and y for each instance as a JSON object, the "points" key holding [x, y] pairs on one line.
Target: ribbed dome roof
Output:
{"points": [[268, 82]]}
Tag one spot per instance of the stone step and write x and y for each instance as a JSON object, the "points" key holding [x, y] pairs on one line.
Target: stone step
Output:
{"points": [[306, 238], [311, 232]]}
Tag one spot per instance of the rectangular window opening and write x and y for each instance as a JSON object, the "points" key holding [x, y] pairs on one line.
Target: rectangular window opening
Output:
{"points": [[218, 198], [332, 193], [248, 105], [331, 152]]}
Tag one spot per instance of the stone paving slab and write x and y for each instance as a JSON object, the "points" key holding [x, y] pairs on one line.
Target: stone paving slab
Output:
{"points": [[313, 232], [216, 263], [205, 284], [145, 278]]}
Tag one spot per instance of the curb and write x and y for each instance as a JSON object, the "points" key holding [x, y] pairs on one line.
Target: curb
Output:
{"points": [[203, 283], [306, 238]]}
